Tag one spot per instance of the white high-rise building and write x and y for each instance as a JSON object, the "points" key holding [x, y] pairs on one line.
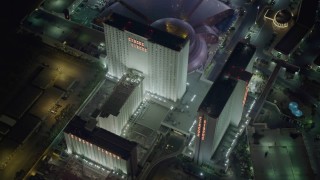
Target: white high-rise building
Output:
{"points": [[124, 100], [162, 57], [223, 104]]}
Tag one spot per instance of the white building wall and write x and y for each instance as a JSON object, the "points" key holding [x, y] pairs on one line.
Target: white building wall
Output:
{"points": [[214, 131], [249, 67], [182, 70], [237, 98], [168, 71], [222, 124], [117, 51], [95, 153], [115, 124]]}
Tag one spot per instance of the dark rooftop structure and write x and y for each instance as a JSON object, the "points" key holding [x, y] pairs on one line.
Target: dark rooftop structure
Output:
{"points": [[305, 21], [120, 95], [46, 102], [23, 101], [101, 138], [195, 12], [307, 13], [24, 128], [64, 82], [317, 60], [7, 148], [188, 18], [223, 87], [56, 5], [7, 120], [45, 78], [283, 16], [291, 39], [4, 128], [96, 113], [44, 23], [152, 34]]}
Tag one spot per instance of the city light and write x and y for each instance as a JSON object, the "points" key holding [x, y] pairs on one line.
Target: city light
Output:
{"points": [[193, 97], [192, 141], [194, 122]]}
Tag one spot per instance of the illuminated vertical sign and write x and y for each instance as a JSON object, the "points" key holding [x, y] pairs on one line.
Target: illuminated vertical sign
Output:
{"points": [[137, 44], [245, 94], [199, 126], [201, 131], [204, 129]]}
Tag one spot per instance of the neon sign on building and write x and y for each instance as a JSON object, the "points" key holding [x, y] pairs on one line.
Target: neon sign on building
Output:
{"points": [[199, 126], [137, 44], [201, 131], [204, 129], [245, 94]]}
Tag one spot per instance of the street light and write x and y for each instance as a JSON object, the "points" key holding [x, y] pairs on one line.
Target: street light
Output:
{"points": [[255, 22]]}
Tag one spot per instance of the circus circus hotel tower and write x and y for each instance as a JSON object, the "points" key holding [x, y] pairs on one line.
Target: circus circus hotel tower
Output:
{"points": [[161, 57]]}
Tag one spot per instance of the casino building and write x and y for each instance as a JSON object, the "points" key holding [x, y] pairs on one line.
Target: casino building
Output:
{"points": [[223, 104]]}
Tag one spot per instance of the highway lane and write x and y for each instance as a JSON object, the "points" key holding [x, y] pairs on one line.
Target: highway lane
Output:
{"points": [[146, 172]]}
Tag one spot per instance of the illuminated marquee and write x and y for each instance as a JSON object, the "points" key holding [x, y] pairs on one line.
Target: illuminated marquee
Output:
{"points": [[201, 131], [199, 126], [204, 129], [137, 44], [245, 94]]}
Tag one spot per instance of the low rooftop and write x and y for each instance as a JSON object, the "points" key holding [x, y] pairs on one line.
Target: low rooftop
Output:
{"points": [[270, 145], [121, 93], [45, 78], [24, 128], [56, 5], [23, 101], [307, 13], [291, 39], [46, 102], [79, 37]]}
